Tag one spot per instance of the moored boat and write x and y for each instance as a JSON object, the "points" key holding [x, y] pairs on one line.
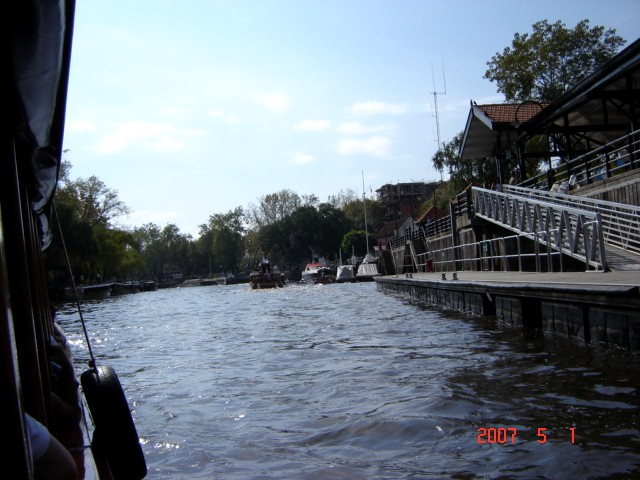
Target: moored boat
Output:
{"points": [[124, 288], [345, 273], [100, 290], [317, 273], [368, 269]]}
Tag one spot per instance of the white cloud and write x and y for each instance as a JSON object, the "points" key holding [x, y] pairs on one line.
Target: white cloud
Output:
{"points": [[355, 128], [225, 117], [157, 136], [377, 146], [276, 102], [168, 144], [176, 111], [302, 159], [312, 125], [371, 107], [81, 126]]}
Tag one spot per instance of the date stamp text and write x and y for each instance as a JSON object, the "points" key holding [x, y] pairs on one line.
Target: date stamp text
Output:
{"points": [[509, 435]]}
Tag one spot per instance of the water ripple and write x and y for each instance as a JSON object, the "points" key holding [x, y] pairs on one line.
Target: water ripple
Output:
{"points": [[340, 381]]}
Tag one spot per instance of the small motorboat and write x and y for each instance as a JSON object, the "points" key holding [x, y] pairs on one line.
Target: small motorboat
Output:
{"points": [[265, 276], [317, 273]]}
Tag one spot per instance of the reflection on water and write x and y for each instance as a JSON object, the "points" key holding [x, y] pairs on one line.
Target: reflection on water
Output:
{"points": [[341, 381]]}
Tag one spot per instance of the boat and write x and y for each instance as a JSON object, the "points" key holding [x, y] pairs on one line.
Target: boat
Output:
{"points": [[345, 273], [124, 288], [39, 385], [367, 269], [265, 276], [317, 273], [96, 291], [148, 286]]}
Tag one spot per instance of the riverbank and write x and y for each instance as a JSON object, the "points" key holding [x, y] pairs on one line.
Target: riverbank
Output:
{"points": [[593, 307]]}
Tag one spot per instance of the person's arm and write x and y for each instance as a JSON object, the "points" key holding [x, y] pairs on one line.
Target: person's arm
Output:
{"points": [[51, 461], [56, 463]]}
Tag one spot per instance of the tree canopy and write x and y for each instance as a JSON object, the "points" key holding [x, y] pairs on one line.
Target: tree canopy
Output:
{"points": [[276, 206], [546, 63]]}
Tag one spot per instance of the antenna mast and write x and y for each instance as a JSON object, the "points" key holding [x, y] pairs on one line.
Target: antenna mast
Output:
{"points": [[364, 203], [435, 103]]}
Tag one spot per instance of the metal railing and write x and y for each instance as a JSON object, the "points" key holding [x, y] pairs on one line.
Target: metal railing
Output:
{"points": [[497, 254], [568, 224], [604, 162], [438, 227], [620, 222], [574, 232]]}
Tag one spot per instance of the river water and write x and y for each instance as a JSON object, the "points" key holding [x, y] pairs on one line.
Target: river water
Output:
{"points": [[344, 382]]}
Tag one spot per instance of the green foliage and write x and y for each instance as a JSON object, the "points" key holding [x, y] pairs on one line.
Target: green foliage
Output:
{"points": [[354, 211], [462, 173], [305, 232], [85, 209], [164, 250], [546, 63], [222, 240], [90, 200], [356, 241], [276, 206]]}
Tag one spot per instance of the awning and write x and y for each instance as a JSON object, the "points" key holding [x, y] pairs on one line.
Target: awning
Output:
{"points": [[38, 55]]}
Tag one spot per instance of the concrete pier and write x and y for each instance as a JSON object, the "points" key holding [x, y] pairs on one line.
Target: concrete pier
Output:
{"points": [[593, 307]]}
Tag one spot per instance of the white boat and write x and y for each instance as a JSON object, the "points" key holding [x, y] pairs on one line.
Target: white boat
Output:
{"points": [[346, 273], [317, 273], [367, 269], [369, 266]]}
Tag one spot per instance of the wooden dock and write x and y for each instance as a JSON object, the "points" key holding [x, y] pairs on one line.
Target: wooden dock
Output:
{"points": [[593, 307]]}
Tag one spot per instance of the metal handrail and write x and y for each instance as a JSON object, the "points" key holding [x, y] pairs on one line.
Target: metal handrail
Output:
{"points": [[620, 222], [490, 253], [595, 165], [575, 232]]}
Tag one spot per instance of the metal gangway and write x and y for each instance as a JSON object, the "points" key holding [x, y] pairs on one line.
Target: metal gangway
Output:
{"points": [[585, 229], [620, 222], [602, 235]]}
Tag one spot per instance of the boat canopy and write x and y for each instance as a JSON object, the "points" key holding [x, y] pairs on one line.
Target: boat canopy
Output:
{"points": [[38, 56]]}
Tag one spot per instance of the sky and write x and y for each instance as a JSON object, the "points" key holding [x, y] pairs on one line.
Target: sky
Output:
{"points": [[190, 108]]}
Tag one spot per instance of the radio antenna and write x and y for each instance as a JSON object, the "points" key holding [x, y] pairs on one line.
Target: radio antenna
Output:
{"points": [[435, 94]]}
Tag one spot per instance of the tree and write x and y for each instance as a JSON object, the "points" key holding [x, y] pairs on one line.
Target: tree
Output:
{"points": [[548, 62], [307, 231], [165, 250], [330, 228], [342, 198], [276, 206], [223, 236], [462, 172], [92, 201], [85, 209], [356, 241], [354, 211]]}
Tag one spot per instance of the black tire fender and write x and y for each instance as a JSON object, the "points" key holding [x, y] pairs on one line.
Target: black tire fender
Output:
{"points": [[115, 436]]}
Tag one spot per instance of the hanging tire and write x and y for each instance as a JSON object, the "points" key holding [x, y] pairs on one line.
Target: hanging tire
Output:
{"points": [[115, 436]]}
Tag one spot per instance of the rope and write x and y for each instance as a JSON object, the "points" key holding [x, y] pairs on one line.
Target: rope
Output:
{"points": [[92, 361]]}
